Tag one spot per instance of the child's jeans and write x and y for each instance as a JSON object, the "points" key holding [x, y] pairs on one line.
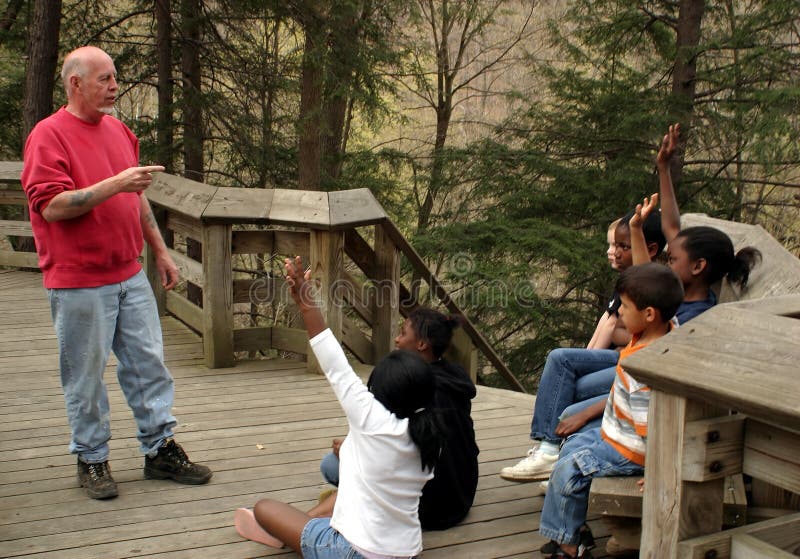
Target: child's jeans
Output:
{"points": [[583, 456], [570, 375]]}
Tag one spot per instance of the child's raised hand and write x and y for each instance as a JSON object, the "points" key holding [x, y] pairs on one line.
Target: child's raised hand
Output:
{"points": [[669, 145], [298, 280], [643, 210]]}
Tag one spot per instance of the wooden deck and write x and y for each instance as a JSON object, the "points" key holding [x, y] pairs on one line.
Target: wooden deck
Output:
{"points": [[262, 426]]}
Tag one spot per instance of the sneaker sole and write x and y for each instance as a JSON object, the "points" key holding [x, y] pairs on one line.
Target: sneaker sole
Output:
{"points": [[157, 474], [544, 476]]}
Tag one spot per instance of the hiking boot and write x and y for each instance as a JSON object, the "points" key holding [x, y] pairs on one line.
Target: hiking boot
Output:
{"points": [[172, 463], [97, 480], [536, 466]]}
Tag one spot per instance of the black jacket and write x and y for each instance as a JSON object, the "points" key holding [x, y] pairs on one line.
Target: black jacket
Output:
{"points": [[447, 498]]}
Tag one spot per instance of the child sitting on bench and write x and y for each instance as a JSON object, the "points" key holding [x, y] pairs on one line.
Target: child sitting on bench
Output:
{"points": [[650, 293]]}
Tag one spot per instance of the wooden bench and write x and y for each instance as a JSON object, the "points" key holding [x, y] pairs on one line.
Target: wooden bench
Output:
{"points": [[618, 500]]}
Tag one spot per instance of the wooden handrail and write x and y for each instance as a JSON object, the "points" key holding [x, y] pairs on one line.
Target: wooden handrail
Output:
{"points": [[441, 293], [208, 214], [358, 249]]}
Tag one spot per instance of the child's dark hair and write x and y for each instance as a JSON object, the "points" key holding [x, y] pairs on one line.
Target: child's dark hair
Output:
{"points": [[652, 285], [651, 228], [403, 382], [433, 327], [716, 248]]}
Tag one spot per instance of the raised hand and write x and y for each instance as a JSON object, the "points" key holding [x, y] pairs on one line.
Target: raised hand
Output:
{"points": [[643, 210], [669, 145], [301, 290], [299, 282]]}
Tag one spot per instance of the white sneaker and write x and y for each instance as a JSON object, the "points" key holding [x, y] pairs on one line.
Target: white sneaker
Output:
{"points": [[536, 466]]}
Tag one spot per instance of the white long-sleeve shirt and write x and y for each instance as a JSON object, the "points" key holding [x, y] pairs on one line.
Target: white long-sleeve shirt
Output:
{"points": [[380, 473]]}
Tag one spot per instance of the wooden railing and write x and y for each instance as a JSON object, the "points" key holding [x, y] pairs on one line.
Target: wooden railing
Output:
{"points": [[354, 251], [740, 357]]}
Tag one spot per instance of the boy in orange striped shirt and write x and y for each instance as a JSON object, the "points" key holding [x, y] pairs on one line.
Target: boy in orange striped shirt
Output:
{"points": [[650, 296]]}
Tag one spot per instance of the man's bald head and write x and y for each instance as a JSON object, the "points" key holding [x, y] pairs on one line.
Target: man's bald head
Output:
{"points": [[79, 61]]}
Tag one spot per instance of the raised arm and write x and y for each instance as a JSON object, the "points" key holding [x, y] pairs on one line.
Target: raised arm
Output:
{"points": [[300, 290], [670, 214], [638, 243]]}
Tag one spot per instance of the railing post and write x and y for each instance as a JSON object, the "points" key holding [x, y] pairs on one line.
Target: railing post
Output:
{"points": [[217, 296], [326, 257], [674, 509], [387, 294], [462, 351]]}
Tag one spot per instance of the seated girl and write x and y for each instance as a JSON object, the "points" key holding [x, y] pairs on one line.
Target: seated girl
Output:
{"points": [[447, 498], [386, 459]]}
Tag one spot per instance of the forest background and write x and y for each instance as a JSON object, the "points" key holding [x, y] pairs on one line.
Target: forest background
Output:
{"points": [[502, 136]]}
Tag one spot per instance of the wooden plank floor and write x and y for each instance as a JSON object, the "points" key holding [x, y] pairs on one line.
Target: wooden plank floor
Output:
{"points": [[262, 426]]}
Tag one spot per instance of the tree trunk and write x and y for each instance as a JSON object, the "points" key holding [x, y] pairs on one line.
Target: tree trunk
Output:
{"points": [[192, 100], [42, 63], [309, 157], [344, 38], [165, 124], [39, 77], [690, 17], [192, 119]]}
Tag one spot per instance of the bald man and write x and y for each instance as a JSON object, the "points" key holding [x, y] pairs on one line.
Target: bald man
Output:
{"points": [[90, 219]]}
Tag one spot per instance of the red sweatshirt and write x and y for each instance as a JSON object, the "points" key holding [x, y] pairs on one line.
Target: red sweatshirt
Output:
{"points": [[101, 246]]}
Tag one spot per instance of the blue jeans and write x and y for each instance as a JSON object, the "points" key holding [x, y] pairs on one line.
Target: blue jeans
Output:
{"points": [[570, 375], [89, 323], [329, 466], [583, 457], [319, 541]]}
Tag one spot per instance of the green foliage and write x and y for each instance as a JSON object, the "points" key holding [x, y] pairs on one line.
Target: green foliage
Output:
{"points": [[554, 175], [517, 218]]}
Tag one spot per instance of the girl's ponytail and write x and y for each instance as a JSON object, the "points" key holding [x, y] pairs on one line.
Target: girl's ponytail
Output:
{"points": [[403, 382], [745, 260], [428, 433], [716, 248]]}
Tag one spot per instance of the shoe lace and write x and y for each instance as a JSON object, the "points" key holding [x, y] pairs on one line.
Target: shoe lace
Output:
{"points": [[98, 471], [175, 451], [533, 454]]}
